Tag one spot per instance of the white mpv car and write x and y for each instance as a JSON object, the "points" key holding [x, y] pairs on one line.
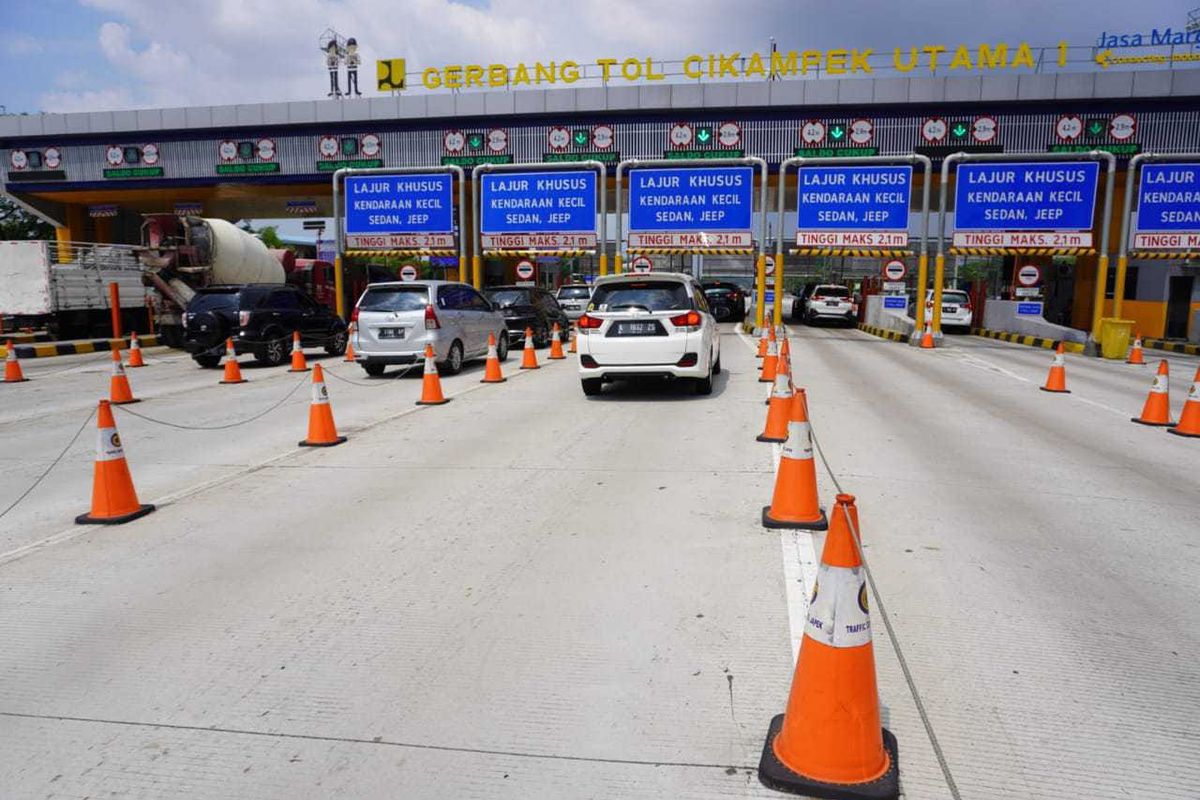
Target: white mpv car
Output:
{"points": [[655, 325]]}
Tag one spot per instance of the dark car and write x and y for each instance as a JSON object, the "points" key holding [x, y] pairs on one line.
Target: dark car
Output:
{"points": [[260, 318], [726, 300], [528, 307]]}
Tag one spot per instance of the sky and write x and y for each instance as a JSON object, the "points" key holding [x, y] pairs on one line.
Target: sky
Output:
{"points": [[91, 55]]}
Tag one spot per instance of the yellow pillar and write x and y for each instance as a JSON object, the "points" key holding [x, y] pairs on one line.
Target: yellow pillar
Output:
{"points": [[71, 232], [918, 311], [1098, 305], [1119, 285], [62, 235], [338, 283], [778, 315], [939, 277], [616, 263], [103, 230], [604, 263], [760, 291], [477, 271]]}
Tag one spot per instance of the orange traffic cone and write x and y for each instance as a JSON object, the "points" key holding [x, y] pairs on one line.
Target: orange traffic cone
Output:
{"points": [[233, 370], [1135, 352], [491, 372], [927, 338], [795, 503], [350, 341], [1157, 410], [556, 349], [783, 364], [1189, 420], [12, 367], [114, 500], [119, 392], [298, 362], [431, 386], [830, 741], [762, 342], [779, 407], [135, 351], [321, 430], [1056, 381], [573, 348], [529, 357], [770, 363]]}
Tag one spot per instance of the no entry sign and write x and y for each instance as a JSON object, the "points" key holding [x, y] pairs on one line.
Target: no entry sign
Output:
{"points": [[1035, 204], [642, 264], [895, 270], [408, 273], [525, 269], [864, 206], [1029, 275]]}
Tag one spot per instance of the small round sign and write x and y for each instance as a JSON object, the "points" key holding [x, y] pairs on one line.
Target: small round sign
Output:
{"points": [[983, 130], [525, 269], [862, 131], [115, 155], [370, 144], [1122, 127], [1068, 128], [227, 150], [895, 270], [812, 132], [933, 129], [641, 264], [769, 264], [497, 140], [602, 137], [53, 157], [408, 273], [729, 134], [1029, 275], [150, 154], [558, 138], [18, 159], [266, 149], [328, 146], [681, 134], [454, 141]]}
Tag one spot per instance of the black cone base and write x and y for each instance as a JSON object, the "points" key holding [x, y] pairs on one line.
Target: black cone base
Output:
{"points": [[334, 443], [774, 775], [434, 402], [1055, 391], [1178, 432], [88, 519], [1141, 421], [821, 524]]}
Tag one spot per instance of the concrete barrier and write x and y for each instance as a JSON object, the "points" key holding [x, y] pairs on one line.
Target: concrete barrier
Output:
{"points": [[886, 318], [1001, 315]]}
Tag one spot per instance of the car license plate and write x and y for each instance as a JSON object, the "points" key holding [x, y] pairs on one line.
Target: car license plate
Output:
{"points": [[391, 333], [949, 309], [833, 303], [647, 328]]}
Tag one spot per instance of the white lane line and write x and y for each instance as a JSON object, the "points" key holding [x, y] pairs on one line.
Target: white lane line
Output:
{"points": [[1116, 411], [799, 574]]}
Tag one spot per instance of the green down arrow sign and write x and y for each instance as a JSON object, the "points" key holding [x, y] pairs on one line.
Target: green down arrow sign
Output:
{"points": [[837, 132], [475, 141], [959, 130], [581, 138], [703, 135], [1095, 127]]}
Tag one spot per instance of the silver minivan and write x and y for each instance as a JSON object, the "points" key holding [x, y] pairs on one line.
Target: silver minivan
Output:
{"points": [[394, 321]]}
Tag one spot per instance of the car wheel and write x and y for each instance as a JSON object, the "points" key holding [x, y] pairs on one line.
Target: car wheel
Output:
{"points": [[502, 347], [592, 386], [273, 352], [374, 370], [541, 338], [722, 312], [704, 386], [454, 360], [337, 343], [716, 370], [207, 361]]}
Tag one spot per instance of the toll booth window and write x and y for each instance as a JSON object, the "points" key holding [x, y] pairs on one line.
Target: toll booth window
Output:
{"points": [[1131, 279], [395, 298], [650, 295]]}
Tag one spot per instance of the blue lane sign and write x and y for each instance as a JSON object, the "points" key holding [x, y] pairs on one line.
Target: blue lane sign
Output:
{"points": [[769, 296], [538, 202], [399, 204], [699, 199], [1169, 198], [841, 206], [1029, 309], [895, 301], [1038, 196]]}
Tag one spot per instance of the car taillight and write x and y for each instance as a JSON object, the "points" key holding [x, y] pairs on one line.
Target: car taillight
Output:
{"points": [[966, 306], [586, 323], [243, 318], [431, 320], [354, 315], [689, 321], [818, 297]]}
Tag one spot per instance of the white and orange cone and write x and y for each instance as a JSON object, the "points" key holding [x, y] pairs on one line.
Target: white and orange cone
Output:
{"points": [[119, 393], [299, 364], [770, 361], [492, 372], [927, 337], [830, 742], [1135, 352], [12, 367], [1189, 419], [795, 503], [1056, 381], [1157, 410], [135, 351], [574, 348], [431, 384], [322, 432], [114, 500], [353, 329], [779, 407], [763, 341], [556, 348], [233, 370], [529, 356]]}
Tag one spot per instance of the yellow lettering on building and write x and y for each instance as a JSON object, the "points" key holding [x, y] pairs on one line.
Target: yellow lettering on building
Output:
{"points": [[859, 60], [933, 50], [690, 67], [431, 78], [755, 66], [962, 58], [1023, 58], [651, 75], [606, 65], [520, 75], [497, 75], [810, 60], [474, 75], [542, 72], [908, 66], [782, 64], [452, 76], [631, 69], [570, 71], [728, 67], [993, 58]]}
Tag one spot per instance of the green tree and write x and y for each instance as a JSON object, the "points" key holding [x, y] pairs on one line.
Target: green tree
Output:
{"points": [[270, 237], [17, 223]]}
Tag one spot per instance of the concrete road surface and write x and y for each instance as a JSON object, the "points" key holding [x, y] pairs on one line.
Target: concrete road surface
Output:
{"points": [[526, 593]]}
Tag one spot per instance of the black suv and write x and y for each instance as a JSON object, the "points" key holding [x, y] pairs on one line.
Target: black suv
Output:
{"points": [[726, 300], [260, 319], [528, 307]]}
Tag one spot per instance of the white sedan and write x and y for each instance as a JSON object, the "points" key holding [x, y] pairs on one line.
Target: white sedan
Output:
{"points": [[655, 325]]}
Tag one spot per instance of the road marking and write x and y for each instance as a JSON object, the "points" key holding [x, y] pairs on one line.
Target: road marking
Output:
{"points": [[799, 576]]}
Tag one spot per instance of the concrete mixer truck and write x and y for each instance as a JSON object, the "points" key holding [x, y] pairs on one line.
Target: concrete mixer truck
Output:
{"points": [[182, 254]]}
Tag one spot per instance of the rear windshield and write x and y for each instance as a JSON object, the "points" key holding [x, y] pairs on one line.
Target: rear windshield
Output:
{"points": [[506, 298], [395, 298], [573, 292], [831, 291], [954, 297], [214, 301], [648, 295]]}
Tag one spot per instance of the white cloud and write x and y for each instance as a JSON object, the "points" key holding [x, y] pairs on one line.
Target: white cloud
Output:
{"points": [[89, 100], [22, 45]]}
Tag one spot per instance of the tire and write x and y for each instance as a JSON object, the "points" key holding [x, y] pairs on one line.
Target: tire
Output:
{"points": [[337, 343], [541, 338], [454, 359], [374, 370], [502, 347], [704, 386], [592, 386], [207, 361], [273, 353], [716, 370], [722, 312]]}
